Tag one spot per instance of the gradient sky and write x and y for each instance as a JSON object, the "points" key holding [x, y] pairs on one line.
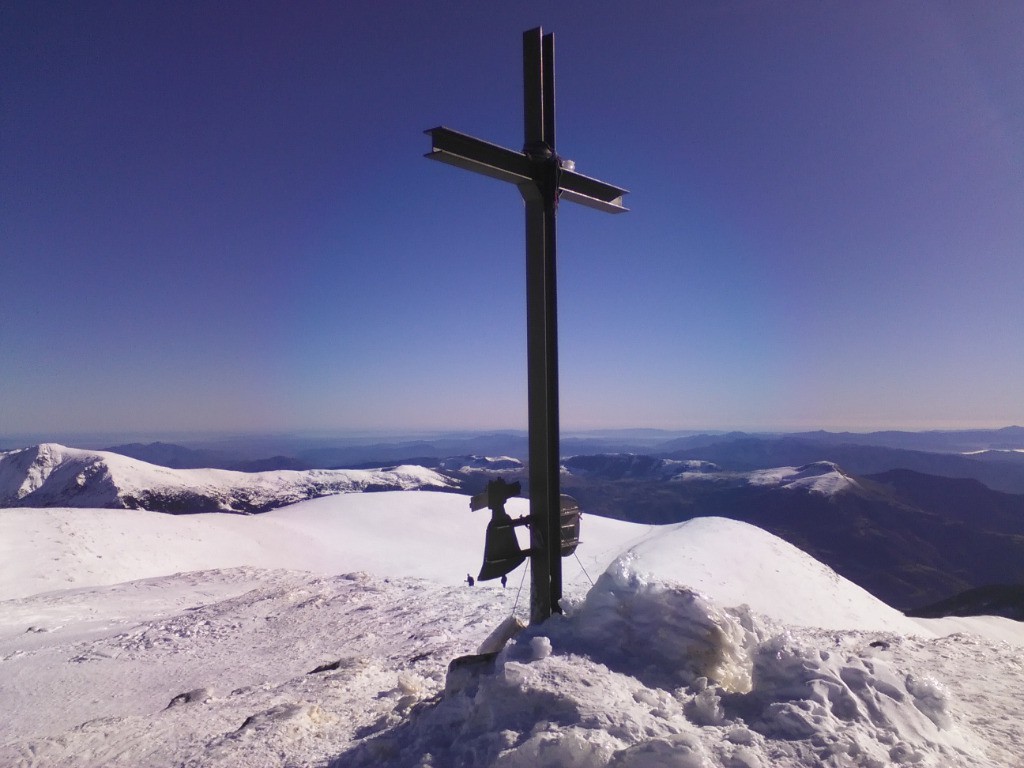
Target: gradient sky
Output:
{"points": [[217, 215]]}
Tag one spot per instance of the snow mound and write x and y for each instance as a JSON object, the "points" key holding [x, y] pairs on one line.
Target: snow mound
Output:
{"points": [[669, 635], [646, 673], [52, 475], [736, 563]]}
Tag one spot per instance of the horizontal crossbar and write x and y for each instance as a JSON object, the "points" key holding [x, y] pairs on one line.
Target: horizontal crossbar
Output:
{"points": [[492, 160], [592, 193], [480, 156]]}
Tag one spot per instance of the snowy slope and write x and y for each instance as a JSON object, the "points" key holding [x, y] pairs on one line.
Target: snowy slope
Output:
{"points": [[393, 533], [434, 536], [422, 534], [823, 477], [737, 563], [659, 664], [52, 475]]}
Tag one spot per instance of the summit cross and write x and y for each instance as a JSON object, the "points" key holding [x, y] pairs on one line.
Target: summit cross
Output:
{"points": [[543, 178]]}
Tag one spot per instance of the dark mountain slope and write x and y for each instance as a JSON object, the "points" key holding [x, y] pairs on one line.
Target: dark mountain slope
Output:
{"points": [[994, 600], [891, 535], [958, 500]]}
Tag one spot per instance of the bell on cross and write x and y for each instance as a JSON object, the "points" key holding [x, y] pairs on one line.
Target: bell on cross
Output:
{"points": [[502, 553]]}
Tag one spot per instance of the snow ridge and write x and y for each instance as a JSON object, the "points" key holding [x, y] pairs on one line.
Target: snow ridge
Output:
{"points": [[821, 477], [53, 475], [824, 477]]}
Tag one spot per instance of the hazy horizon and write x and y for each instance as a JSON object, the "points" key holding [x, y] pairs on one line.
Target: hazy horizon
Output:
{"points": [[99, 439]]}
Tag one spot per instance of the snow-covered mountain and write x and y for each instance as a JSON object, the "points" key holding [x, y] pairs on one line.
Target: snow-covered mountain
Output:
{"points": [[822, 477], [52, 475], [708, 643]]}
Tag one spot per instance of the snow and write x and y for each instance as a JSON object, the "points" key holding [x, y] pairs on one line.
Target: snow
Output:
{"points": [[130, 638], [421, 534], [823, 477], [791, 586], [52, 475]]}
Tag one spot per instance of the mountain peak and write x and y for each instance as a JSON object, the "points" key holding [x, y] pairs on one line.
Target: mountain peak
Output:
{"points": [[824, 477]]}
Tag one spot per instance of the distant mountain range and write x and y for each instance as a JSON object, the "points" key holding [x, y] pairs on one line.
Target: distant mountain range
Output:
{"points": [[907, 537], [935, 441], [994, 457], [1003, 471]]}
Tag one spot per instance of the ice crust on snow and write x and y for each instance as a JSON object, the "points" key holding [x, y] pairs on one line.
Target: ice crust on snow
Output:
{"points": [[709, 643]]}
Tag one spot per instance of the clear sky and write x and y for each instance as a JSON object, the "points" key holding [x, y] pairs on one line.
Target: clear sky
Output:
{"points": [[217, 215]]}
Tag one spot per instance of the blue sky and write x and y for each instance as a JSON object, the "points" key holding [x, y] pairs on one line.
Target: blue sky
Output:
{"points": [[216, 216]]}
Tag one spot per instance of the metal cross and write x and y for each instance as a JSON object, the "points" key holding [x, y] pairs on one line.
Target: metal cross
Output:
{"points": [[543, 179]]}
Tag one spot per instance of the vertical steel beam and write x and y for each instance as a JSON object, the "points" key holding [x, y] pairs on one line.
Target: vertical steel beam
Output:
{"points": [[539, 402], [549, 188], [540, 196], [548, 87], [533, 89]]}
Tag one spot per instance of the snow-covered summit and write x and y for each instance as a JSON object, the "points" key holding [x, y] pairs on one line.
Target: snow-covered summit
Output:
{"points": [[821, 477], [824, 477], [737, 563], [53, 475]]}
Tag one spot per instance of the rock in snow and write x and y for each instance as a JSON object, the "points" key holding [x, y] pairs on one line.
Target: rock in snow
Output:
{"points": [[709, 643]]}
